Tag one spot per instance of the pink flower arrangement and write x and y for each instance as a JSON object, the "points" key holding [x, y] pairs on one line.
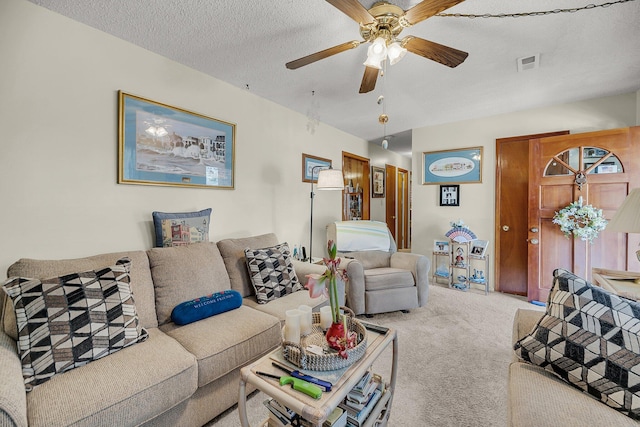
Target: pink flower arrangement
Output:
{"points": [[338, 337], [326, 283]]}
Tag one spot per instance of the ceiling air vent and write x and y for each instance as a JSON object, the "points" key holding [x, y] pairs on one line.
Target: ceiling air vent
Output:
{"points": [[528, 62]]}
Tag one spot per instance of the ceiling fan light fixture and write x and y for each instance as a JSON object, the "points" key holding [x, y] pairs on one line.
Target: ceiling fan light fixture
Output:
{"points": [[374, 60], [395, 52], [379, 47]]}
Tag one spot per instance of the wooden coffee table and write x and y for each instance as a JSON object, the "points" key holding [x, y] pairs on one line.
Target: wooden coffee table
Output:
{"points": [[317, 411]]}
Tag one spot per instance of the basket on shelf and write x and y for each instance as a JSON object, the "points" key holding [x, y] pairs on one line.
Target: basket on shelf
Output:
{"points": [[330, 360]]}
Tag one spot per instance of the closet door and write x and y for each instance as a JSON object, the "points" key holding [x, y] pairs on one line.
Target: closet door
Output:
{"points": [[356, 172], [512, 186]]}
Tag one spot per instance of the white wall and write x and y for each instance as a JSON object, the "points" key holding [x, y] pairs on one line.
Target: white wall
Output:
{"points": [[58, 165], [380, 157], [477, 201]]}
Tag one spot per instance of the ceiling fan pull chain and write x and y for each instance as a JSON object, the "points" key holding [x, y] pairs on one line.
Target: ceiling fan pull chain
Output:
{"points": [[539, 13]]}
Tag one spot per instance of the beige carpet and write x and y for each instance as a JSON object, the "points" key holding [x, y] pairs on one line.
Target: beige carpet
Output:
{"points": [[453, 359]]}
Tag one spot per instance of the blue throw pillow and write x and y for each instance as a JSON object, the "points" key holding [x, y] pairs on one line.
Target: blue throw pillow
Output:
{"points": [[174, 229], [207, 306]]}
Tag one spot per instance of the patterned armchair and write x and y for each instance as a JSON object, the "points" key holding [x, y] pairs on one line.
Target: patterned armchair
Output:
{"points": [[381, 279]]}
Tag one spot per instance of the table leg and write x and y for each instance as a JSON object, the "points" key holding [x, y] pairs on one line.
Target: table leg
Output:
{"points": [[242, 404], [394, 374]]}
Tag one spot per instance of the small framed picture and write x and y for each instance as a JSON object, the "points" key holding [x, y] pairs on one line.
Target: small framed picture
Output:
{"points": [[441, 246], [377, 181], [450, 195], [312, 165], [479, 248]]}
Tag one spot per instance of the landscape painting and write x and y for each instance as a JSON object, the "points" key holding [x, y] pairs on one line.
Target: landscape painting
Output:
{"points": [[164, 145]]}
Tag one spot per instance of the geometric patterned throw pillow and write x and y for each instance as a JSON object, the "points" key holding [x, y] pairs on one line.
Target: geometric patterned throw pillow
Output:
{"points": [[591, 339], [272, 272], [68, 321]]}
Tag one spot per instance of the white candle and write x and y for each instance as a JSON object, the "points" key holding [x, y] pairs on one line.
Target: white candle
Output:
{"points": [[325, 317], [306, 319], [292, 326]]}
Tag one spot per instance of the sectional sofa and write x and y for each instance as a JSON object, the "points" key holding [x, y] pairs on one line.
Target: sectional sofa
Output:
{"points": [[578, 364], [179, 375]]}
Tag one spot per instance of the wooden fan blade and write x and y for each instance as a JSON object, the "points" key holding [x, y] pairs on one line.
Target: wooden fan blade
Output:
{"points": [[427, 9], [436, 52], [306, 60], [369, 79], [354, 10]]}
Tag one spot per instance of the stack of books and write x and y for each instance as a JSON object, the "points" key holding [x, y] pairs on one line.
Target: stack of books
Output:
{"points": [[281, 416], [361, 400]]}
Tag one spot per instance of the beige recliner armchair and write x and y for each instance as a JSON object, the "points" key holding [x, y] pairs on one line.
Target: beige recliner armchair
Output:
{"points": [[381, 279]]}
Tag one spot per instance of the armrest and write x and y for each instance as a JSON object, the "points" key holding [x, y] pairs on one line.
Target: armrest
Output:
{"points": [[419, 265], [524, 322], [303, 268], [13, 397], [354, 288]]}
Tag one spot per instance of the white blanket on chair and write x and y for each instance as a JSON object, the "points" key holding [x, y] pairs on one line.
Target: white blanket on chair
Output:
{"points": [[362, 236]]}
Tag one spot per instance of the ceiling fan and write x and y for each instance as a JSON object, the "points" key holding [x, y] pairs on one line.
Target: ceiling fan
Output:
{"points": [[381, 26]]}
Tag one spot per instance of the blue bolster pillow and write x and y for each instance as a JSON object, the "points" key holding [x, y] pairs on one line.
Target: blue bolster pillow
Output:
{"points": [[207, 306]]}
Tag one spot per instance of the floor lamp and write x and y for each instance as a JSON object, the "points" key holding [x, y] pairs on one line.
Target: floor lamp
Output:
{"points": [[328, 179], [627, 218]]}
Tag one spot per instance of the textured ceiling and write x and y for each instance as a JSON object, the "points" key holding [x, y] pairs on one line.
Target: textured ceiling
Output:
{"points": [[583, 55]]}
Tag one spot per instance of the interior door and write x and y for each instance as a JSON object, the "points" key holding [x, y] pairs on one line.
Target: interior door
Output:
{"points": [[402, 209], [390, 202], [598, 168], [512, 185], [356, 171]]}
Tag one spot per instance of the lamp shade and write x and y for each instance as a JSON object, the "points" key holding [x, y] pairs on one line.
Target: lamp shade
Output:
{"points": [[395, 52], [376, 53], [378, 47], [373, 60], [330, 179], [627, 218]]}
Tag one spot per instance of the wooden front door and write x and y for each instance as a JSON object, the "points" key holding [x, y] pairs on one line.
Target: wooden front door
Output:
{"points": [[390, 201], [598, 168], [512, 185]]}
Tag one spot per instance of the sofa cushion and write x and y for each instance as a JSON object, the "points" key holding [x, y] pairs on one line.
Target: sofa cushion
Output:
{"points": [[591, 339], [206, 306], [150, 377], [227, 341], [175, 229], [387, 278], [369, 259], [68, 321], [539, 398], [272, 273], [232, 251], [278, 307], [141, 283], [182, 273]]}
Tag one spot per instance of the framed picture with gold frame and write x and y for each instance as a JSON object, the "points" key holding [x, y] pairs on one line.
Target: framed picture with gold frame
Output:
{"points": [[164, 145], [461, 166], [311, 165]]}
